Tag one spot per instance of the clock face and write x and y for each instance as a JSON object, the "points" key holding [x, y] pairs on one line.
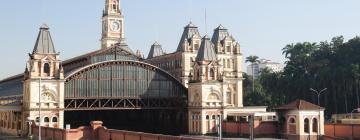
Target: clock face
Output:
{"points": [[115, 26]]}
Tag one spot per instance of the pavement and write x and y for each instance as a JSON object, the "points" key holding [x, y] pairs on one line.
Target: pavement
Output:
{"points": [[8, 137]]}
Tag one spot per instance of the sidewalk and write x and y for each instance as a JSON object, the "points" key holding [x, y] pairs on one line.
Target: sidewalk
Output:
{"points": [[8, 137]]}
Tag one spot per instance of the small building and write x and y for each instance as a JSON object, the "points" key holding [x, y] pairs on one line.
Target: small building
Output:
{"points": [[301, 120], [348, 118]]}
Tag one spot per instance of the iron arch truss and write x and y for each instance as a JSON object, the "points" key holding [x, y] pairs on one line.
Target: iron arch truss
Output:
{"points": [[122, 85]]}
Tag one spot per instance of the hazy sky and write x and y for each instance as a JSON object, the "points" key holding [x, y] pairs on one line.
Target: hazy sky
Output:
{"points": [[263, 27]]}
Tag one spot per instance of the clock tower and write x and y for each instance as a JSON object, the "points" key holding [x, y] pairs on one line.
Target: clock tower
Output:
{"points": [[112, 24]]}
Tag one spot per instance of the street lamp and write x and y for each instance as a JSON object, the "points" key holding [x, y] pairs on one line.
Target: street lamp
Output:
{"points": [[29, 121], [219, 126], [318, 93], [39, 109]]}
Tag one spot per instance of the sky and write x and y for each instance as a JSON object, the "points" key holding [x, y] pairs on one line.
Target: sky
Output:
{"points": [[262, 27]]}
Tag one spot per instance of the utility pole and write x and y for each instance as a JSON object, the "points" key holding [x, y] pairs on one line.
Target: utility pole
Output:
{"points": [[40, 108], [251, 126], [219, 127]]}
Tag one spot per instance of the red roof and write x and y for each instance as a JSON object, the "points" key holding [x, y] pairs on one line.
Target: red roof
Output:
{"points": [[299, 105]]}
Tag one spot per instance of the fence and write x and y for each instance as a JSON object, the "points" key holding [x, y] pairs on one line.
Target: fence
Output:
{"points": [[343, 130]]}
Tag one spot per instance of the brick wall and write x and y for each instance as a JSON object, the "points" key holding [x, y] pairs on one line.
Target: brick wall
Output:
{"points": [[62, 134], [99, 132], [343, 130], [260, 128]]}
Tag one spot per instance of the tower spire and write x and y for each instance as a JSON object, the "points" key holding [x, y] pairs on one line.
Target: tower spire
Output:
{"points": [[44, 43], [113, 24]]}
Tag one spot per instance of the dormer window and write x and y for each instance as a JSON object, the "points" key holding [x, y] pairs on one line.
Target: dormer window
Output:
{"points": [[196, 46], [228, 48]]}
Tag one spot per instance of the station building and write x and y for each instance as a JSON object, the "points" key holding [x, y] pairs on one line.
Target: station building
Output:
{"points": [[201, 81]]}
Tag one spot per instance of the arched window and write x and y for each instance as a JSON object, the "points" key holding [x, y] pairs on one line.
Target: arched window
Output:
{"points": [[46, 119], [292, 120], [213, 117], [228, 97], [224, 63], [198, 74], [213, 96], [314, 125], [233, 63], [47, 68], [212, 73], [196, 46], [228, 48], [228, 63], [207, 117], [114, 6], [37, 119], [54, 119], [306, 125]]}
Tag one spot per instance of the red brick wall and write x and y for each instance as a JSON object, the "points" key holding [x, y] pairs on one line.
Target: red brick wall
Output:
{"points": [[105, 134], [99, 133], [62, 134], [260, 128], [342, 130]]}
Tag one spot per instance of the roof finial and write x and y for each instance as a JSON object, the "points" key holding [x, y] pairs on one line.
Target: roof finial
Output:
{"points": [[44, 26]]}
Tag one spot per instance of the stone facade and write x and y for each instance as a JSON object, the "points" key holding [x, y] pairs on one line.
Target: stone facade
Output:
{"points": [[44, 84], [112, 24]]}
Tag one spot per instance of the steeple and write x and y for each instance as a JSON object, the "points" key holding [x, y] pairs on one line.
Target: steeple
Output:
{"points": [[45, 70], [224, 42], [112, 24], [44, 43], [206, 66], [206, 51], [190, 39], [219, 34], [44, 62], [155, 50]]}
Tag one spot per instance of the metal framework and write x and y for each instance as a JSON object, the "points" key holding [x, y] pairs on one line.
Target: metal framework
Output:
{"points": [[111, 104], [123, 85]]}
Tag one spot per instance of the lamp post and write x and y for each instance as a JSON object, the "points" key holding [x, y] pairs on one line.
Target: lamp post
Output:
{"points": [[28, 120], [318, 93], [219, 125], [39, 109]]}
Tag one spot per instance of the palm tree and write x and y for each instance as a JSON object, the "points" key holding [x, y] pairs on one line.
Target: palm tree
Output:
{"points": [[253, 60]]}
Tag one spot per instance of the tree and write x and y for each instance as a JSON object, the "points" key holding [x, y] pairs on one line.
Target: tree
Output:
{"points": [[253, 60], [334, 65]]}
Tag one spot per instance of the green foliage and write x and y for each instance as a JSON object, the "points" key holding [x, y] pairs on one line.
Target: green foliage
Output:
{"points": [[334, 65]]}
